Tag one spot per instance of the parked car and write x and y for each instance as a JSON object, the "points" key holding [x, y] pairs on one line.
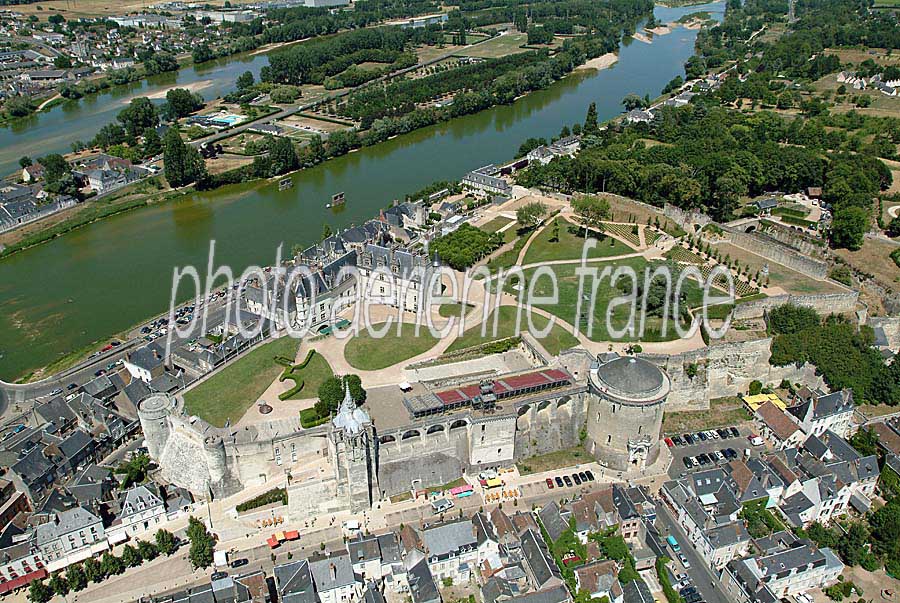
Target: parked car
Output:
{"points": [[702, 459], [688, 462], [687, 590], [689, 439], [549, 483], [678, 441], [559, 481], [734, 431], [218, 576], [702, 436], [568, 481], [239, 562], [589, 475], [719, 456], [684, 561], [56, 392], [71, 386], [583, 476], [670, 443], [723, 433], [694, 598], [576, 479]]}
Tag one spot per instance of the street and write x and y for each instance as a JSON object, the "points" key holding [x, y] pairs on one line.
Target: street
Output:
{"points": [[702, 577]]}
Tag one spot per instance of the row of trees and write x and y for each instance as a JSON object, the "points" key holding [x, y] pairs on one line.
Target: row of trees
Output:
{"points": [[77, 576]]}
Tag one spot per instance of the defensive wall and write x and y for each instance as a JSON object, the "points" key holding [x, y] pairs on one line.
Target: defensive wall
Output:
{"points": [[772, 249], [824, 304]]}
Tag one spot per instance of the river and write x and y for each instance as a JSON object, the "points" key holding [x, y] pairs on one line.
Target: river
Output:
{"points": [[106, 277]]}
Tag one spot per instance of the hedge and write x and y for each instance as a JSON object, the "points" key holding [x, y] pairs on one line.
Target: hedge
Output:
{"points": [[288, 373], [266, 498]]}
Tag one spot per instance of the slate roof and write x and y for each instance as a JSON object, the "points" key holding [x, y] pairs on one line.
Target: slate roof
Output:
{"points": [[537, 556], [322, 574], [447, 538], [72, 520], [294, 582], [552, 520], [421, 584]]}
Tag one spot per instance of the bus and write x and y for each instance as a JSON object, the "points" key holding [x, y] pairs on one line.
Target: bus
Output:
{"points": [[673, 543]]}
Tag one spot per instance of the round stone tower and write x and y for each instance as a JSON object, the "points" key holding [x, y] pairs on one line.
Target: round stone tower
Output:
{"points": [[214, 449], [154, 412], [625, 411]]}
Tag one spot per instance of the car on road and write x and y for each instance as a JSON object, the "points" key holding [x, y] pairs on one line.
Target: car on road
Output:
{"points": [[568, 481], [56, 392], [550, 483], [673, 543], [559, 481], [576, 479], [589, 475]]}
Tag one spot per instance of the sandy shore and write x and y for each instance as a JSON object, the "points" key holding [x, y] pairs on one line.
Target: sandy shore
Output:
{"points": [[192, 87], [693, 24], [642, 38], [602, 62], [661, 30]]}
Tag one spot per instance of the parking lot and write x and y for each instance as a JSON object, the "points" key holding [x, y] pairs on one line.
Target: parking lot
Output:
{"points": [[738, 444]]}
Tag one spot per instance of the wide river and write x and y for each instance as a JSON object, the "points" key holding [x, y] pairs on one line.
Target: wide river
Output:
{"points": [[101, 279]]}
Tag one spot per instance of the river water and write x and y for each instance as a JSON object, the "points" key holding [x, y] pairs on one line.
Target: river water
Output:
{"points": [[104, 278]]}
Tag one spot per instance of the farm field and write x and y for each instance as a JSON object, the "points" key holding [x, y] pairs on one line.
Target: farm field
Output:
{"points": [[500, 46]]}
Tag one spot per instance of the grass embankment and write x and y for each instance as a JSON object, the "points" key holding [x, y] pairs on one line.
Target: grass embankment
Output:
{"points": [[368, 353], [561, 240], [557, 340], [554, 460], [228, 394]]}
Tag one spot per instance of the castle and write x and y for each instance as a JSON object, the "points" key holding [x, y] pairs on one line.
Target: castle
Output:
{"points": [[429, 437]]}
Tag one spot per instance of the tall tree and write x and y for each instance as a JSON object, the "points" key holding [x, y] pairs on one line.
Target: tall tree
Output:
{"points": [[592, 210], [590, 121], [139, 115], [183, 164]]}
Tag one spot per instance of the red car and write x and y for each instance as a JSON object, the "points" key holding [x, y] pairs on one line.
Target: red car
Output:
{"points": [[550, 483], [670, 443]]}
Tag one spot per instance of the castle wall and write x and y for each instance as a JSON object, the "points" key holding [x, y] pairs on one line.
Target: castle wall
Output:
{"points": [[824, 303], [611, 425], [776, 251], [550, 425], [492, 441], [724, 369], [253, 463], [426, 459]]}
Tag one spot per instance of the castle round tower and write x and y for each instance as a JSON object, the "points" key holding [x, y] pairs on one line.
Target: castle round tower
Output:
{"points": [[154, 412], [625, 411], [214, 449]]}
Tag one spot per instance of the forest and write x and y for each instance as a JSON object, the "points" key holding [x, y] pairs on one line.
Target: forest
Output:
{"points": [[709, 157]]}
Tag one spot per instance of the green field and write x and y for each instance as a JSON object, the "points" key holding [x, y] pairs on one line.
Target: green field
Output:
{"points": [[567, 282], [452, 310], [367, 353], [557, 340], [569, 245], [499, 46], [887, 3], [228, 394], [496, 224]]}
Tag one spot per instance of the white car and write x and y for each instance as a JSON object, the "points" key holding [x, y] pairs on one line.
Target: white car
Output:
{"points": [[719, 456]]}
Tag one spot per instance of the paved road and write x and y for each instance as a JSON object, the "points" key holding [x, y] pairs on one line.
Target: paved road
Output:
{"points": [[703, 579]]}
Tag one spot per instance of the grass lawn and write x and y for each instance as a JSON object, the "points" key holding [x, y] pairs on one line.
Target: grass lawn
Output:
{"points": [[567, 294], [569, 246], [723, 412], [558, 339], [313, 375], [499, 46], [229, 393], [366, 353], [452, 310], [496, 224], [554, 460]]}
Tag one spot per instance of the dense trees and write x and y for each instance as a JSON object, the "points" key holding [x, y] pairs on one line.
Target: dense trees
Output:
{"points": [[848, 229], [281, 158], [331, 393], [531, 214], [139, 115], [202, 544], [183, 164], [844, 356], [181, 103], [789, 318], [465, 246]]}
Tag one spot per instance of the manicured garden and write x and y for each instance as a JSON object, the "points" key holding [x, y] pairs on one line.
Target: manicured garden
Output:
{"points": [[368, 353], [228, 394], [307, 376]]}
